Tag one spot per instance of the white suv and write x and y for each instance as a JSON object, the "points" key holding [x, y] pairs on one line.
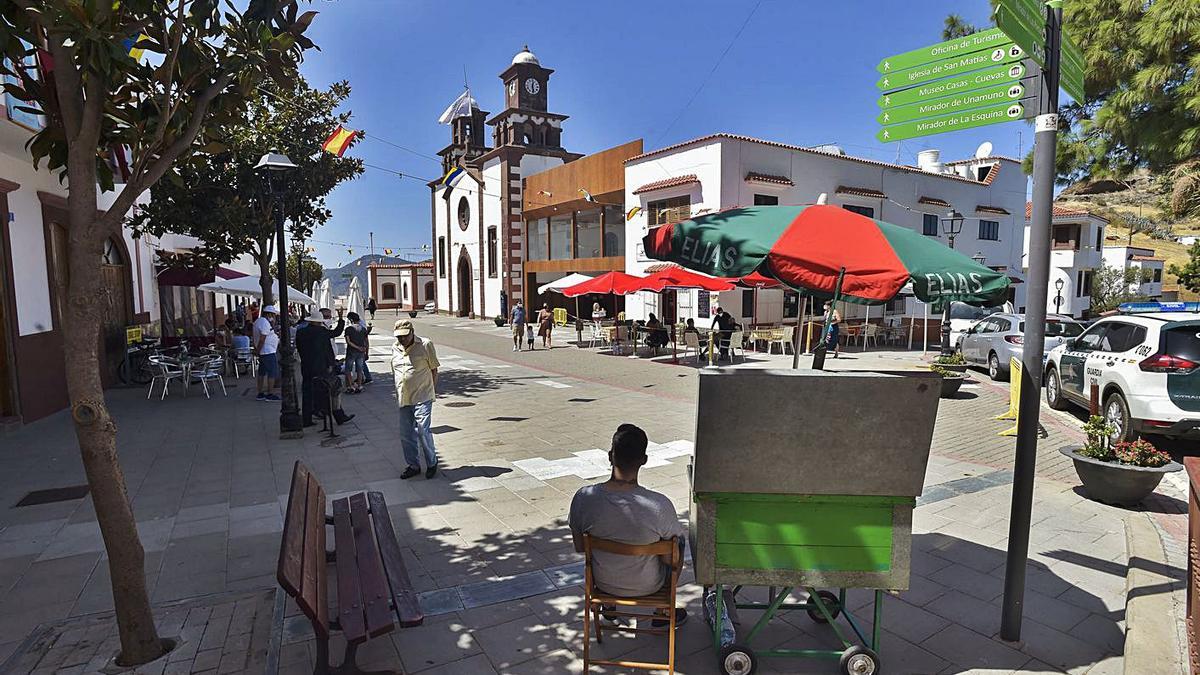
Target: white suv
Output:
{"points": [[1145, 363]]}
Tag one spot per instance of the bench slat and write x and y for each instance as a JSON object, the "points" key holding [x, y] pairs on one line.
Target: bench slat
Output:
{"points": [[313, 598], [408, 607], [350, 604], [290, 572], [370, 569]]}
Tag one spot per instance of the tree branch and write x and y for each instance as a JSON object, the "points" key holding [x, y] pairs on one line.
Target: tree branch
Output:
{"points": [[67, 86]]}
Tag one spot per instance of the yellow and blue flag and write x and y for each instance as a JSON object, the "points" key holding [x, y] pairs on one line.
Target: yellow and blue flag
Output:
{"points": [[130, 46]]}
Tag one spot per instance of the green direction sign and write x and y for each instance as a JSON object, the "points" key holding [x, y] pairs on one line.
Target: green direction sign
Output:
{"points": [[1028, 38], [1071, 53], [1071, 81], [989, 96], [988, 77], [1001, 54], [1028, 13], [987, 39], [1004, 112]]}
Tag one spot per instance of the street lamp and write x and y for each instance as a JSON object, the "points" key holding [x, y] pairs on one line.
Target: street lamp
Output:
{"points": [[951, 226], [290, 424], [1058, 286]]}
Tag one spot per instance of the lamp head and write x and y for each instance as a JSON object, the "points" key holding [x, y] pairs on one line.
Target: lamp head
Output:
{"points": [[952, 223], [979, 258], [274, 161], [1058, 284]]}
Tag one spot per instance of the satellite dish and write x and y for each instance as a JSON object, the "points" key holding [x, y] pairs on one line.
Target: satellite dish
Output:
{"points": [[984, 150]]}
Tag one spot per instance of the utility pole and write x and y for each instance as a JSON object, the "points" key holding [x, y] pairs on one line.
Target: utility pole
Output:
{"points": [[371, 236], [1044, 151]]}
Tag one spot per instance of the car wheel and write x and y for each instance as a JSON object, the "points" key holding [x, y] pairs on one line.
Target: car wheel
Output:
{"points": [[994, 371], [1054, 396], [1116, 413]]}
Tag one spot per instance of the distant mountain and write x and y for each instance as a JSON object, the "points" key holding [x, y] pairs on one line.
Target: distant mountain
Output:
{"points": [[339, 277]]}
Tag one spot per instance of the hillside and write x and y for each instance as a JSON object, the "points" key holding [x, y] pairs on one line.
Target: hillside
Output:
{"points": [[339, 277]]}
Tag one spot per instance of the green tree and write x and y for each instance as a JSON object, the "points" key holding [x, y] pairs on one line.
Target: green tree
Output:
{"points": [[312, 270], [224, 202], [96, 97], [1189, 274], [1113, 286], [955, 27]]}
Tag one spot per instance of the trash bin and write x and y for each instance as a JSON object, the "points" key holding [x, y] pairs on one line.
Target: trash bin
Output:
{"points": [[805, 479]]}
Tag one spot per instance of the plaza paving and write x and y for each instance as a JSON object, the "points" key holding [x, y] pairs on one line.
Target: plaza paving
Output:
{"points": [[486, 541]]}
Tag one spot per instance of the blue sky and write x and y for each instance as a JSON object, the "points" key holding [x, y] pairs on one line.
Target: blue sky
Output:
{"points": [[801, 72]]}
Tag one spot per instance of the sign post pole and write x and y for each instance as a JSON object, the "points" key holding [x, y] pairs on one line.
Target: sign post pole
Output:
{"points": [[1037, 292]]}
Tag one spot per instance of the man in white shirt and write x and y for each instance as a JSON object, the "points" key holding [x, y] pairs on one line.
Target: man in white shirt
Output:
{"points": [[415, 369], [266, 347]]}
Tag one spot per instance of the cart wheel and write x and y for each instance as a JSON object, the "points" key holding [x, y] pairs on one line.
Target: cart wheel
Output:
{"points": [[831, 603], [859, 661], [737, 660]]}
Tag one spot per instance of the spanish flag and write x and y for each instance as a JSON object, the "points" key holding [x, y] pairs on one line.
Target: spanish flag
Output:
{"points": [[339, 140]]}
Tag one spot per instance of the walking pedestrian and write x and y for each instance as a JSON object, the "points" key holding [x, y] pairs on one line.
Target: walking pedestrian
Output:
{"points": [[371, 307], [415, 370], [266, 346], [545, 325], [356, 354], [835, 322], [518, 325]]}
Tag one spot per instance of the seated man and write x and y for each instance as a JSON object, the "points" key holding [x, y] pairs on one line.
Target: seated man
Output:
{"points": [[621, 510]]}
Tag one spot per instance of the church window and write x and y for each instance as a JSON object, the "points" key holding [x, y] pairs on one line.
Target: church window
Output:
{"points": [[441, 257], [491, 251], [464, 213]]}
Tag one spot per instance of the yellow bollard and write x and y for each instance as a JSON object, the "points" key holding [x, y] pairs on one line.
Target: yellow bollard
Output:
{"points": [[1014, 396]]}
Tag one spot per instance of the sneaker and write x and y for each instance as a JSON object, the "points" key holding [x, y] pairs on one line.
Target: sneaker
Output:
{"points": [[261, 397], [515, 349], [271, 397], [431, 471], [409, 473], [680, 619]]}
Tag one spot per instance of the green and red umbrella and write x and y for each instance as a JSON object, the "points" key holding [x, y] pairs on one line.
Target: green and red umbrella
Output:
{"points": [[806, 247]]}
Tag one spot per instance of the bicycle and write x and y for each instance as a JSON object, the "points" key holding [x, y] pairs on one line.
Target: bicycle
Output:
{"points": [[136, 367]]}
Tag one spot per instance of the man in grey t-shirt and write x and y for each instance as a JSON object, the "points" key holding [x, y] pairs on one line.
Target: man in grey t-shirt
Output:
{"points": [[621, 510]]}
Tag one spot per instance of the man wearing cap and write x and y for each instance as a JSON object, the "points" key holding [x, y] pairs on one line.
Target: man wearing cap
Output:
{"points": [[314, 343], [415, 370], [266, 347]]}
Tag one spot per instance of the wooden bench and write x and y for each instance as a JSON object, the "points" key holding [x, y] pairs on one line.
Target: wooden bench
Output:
{"points": [[374, 592]]}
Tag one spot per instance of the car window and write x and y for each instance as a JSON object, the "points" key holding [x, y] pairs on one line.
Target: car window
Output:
{"points": [[961, 310], [1184, 342], [1003, 325], [1060, 329], [1121, 337], [1090, 340], [988, 326]]}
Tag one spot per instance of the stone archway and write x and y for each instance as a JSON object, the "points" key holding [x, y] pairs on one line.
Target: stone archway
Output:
{"points": [[464, 286]]}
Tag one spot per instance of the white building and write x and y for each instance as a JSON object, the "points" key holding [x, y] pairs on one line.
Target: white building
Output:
{"points": [[723, 171], [1076, 246], [476, 222], [1149, 268], [406, 286]]}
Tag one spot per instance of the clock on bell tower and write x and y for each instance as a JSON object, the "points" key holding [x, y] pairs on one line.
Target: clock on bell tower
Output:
{"points": [[526, 121]]}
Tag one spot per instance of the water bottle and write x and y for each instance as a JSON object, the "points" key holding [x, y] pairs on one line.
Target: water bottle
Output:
{"points": [[727, 632]]}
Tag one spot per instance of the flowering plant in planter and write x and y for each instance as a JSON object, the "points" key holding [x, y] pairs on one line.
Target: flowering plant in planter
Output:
{"points": [[1140, 453], [1122, 473], [955, 359], [1098, 432]]}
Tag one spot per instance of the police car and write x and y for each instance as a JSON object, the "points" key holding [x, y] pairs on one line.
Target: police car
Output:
{"points": [[1145, 362]]}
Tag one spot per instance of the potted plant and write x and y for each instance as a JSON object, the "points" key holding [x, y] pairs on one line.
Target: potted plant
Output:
{"points": [[412, 313], [951, 380], [1122, 473], [954, 362], [499, 321]]}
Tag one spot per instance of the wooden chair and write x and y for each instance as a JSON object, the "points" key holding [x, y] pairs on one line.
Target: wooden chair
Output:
{"points": [[595, 599]]}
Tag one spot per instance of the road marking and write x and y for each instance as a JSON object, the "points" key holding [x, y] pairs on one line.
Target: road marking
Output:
{"points": [[553, 384], [594, 463]]}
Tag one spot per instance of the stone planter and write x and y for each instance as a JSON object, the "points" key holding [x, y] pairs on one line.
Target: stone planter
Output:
{"points": [[950, 386], [1114, 483]]}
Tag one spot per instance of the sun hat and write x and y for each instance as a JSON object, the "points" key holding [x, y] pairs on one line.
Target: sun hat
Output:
{"points": [[270, 309], [402, 327]]}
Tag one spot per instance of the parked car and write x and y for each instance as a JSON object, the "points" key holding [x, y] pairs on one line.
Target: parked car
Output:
{"points": [[963, 316], [1000, 337], [1145, 363]]}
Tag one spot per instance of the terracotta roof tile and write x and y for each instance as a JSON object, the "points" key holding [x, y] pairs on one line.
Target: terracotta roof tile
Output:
{"points": [[798, 148], [992, 209], [1064, 212], [991, 174], [768, 178], [667, 183], [859, 192], [933, 201], [989, 158], [658, 267], [1146, 258]]}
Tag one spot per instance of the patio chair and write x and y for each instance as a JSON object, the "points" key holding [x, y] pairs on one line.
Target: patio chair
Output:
{"points": [[691, 343], [165, 370], [208, 369], [597, 334], [736, 344], [662, 600], [870, 333], [783, 337], [244, 358]]}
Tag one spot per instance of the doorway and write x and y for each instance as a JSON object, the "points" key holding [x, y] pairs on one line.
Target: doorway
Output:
{"points": [[464, 286]]}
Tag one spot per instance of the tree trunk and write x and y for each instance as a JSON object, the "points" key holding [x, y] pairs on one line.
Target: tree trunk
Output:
{"points": [[265, 282], [97, 433]]}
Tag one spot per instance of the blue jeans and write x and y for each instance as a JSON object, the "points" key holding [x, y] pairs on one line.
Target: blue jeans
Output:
{"points": [[414, 431]]}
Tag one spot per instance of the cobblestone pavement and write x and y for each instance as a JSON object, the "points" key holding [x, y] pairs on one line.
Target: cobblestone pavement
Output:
{"points": [[486, 542]]}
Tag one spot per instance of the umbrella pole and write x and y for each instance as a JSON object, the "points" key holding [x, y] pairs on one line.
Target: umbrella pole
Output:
{"points": [[797, 337], [821, 347]]}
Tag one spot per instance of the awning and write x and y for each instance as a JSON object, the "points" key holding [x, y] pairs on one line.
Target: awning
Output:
{"points": [[558, 285], [667, 183], [191, 276], [859, 192]]}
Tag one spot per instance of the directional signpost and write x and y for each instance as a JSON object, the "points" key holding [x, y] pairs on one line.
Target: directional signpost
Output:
{"points": [[967, 119], [958, 85], [1005, 93]]}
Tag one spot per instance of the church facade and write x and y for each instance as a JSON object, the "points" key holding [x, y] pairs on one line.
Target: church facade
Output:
{"points": [[477, 230]]}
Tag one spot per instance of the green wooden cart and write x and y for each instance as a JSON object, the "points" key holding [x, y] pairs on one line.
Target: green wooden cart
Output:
{"points": [[795, 497]]}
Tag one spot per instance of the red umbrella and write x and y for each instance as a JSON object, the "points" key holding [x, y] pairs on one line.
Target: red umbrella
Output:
{"points": [[681, 279], [610, 283], [756, 280]]}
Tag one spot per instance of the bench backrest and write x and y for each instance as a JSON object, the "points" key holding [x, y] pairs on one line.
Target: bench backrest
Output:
{"points": [[302, 560]]}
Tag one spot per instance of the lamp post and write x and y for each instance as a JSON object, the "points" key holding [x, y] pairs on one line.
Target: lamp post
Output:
{"points": [[290, 424], [951, 227], [1058, 286]]}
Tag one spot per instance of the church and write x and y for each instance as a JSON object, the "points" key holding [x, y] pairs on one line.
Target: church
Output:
{"points": [[476, 216]]}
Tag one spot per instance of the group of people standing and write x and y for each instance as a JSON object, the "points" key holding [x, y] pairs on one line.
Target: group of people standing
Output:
{"points": [[522, 327]]}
